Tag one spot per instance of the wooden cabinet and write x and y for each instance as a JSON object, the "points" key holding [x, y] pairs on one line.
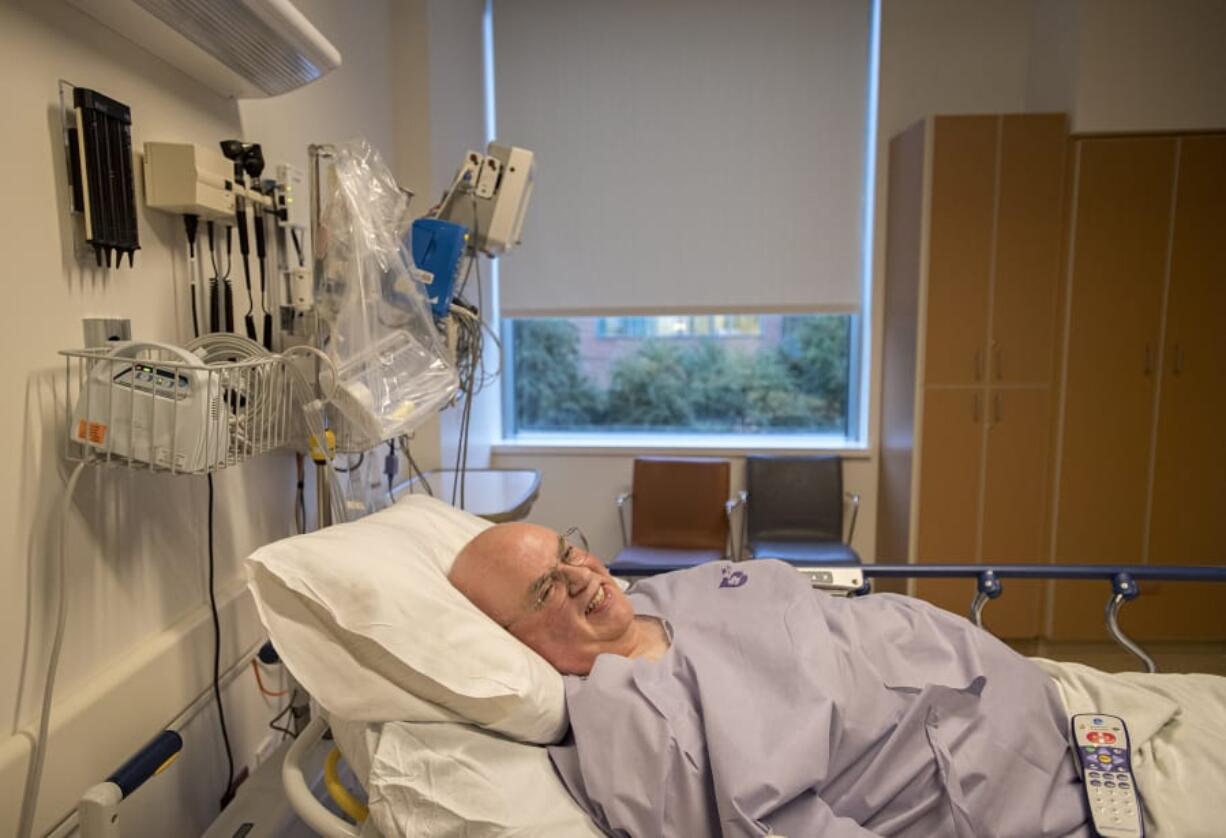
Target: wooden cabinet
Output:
{"points": [[1143, 459], [962, 197], [1027, 260], [971, 301], [1055, 367]]}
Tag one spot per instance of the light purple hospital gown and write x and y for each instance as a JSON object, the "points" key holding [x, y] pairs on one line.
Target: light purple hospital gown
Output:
{"points": [[780, 709]]}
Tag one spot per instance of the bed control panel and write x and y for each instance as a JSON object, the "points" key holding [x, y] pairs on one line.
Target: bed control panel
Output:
{"points": [[1103, 758]]}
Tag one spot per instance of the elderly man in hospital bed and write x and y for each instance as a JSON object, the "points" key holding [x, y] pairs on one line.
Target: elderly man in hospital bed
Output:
{"points": [[732, 699]]}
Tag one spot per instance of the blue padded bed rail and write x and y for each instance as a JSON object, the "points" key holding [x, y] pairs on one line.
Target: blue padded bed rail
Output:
{"points": [[1123, 579]]}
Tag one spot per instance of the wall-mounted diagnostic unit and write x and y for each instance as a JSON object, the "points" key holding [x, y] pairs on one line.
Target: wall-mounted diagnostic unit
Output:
{"points": [[489, 196], [188, 179]]}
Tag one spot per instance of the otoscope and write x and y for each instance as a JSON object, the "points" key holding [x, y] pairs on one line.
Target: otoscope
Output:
{"points": [[248, 158], [262, 255]]}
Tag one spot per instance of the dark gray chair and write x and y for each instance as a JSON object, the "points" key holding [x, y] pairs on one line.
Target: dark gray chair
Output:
{"points": [[795, 510]]}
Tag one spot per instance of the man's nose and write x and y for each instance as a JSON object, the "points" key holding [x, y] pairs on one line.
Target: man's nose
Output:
{"points": [[577, 577]]}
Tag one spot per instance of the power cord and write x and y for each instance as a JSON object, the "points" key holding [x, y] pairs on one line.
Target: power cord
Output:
{"points": [[288, 708], [34, 775], [390, 467], [228, 795], [413, 469], [300, 493]]}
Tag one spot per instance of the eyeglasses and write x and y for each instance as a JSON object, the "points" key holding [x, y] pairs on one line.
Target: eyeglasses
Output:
{"points": [[574, 537], [573, 552]]}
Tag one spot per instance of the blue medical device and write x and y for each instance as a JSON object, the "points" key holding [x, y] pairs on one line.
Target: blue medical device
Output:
{"points": [[438, 247]]}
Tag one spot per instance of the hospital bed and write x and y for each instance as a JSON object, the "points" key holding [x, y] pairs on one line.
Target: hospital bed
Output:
{"points": [[1080, 687]]}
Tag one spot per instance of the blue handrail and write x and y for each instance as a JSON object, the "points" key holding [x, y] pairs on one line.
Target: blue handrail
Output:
{"points": [[1145, 572]]}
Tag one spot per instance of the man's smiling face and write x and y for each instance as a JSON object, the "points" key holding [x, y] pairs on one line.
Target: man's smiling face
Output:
{"points": [[552, 594]]}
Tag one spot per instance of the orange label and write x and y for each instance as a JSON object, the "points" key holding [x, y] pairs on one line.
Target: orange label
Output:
{"points": [[94, 432]]}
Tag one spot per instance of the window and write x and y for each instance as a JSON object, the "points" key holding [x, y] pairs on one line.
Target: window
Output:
{"points": [[703, 374]]}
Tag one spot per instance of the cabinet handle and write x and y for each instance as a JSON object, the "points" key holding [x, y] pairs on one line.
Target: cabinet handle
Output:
{"points": [[996, 360], [1149, 358], [1177, 367], [996, 408], [978, 365], [975, 410]]}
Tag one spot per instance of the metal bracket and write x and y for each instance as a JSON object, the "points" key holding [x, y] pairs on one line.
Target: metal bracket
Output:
{"points": [[1123, 589], [989, 587]]}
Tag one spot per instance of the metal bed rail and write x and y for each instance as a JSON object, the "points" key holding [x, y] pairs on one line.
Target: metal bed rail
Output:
{"points": [[1124, 581]]}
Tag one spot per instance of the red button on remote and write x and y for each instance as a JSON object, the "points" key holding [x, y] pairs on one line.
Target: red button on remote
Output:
{"points": [[1096, 737], [1108, 738]]}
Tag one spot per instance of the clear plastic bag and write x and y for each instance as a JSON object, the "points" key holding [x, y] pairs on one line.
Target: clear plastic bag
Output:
{"points": [[392, 365]]}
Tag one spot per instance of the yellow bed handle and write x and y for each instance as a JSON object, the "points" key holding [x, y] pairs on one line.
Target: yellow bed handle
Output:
{"points": [[349, 804]]}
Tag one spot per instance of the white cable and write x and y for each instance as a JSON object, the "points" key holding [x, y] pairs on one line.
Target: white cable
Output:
{"points": [[323, 356], [34, 775]]}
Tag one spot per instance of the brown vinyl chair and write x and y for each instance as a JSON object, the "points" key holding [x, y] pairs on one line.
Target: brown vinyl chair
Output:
{"points": [[680, 514]]}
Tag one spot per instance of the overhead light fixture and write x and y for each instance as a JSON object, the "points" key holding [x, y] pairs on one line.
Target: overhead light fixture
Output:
{"points": [[245, 49]]}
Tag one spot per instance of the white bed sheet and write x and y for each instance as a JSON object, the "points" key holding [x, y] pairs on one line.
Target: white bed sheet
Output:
{"points": [[445, 779], [1178, 729]]}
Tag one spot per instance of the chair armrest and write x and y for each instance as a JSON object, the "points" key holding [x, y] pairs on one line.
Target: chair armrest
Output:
{"points": [[736, 545], [621, 501], [854, 497], [739, 499]]}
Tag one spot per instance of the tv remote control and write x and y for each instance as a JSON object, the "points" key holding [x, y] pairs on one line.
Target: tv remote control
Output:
{"points": [[1103, 758]]}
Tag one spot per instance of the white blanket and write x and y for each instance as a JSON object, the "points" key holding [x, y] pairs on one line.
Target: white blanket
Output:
{"points": [[1178, 729]]}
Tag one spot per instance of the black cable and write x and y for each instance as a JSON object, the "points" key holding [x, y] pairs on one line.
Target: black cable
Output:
{"points": [[408, 454], [261, 255], [214, 284], [300, 497], [227, 288], [293, 696], [389, 468], [293, 234], [221, 713], [190, 225], [352, 466]]}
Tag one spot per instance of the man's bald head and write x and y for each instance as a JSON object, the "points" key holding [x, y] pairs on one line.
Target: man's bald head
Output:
{"points": [[554, 596]]}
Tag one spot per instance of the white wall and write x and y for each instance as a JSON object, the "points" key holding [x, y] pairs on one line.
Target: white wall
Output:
{"points": [[138, 646], [1130, 65]]}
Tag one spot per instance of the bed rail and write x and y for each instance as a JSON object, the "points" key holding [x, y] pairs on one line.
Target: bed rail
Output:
{"points": [[1122, 578]]}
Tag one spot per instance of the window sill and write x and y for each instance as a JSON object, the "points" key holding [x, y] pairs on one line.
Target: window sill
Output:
{"points": [[719, 445]]}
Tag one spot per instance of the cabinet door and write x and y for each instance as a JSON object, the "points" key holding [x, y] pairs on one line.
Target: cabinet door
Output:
{"points": [[1121, 228], [1027, 264], [950, 457], [1187, 520], [960, 207], [1015, 503]]}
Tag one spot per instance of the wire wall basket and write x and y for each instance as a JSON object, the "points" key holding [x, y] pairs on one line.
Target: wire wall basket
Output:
{"points": [[170, 409]]}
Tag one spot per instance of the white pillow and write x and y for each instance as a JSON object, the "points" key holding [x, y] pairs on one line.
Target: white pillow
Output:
{"points": [[365, 618], [455, 781]]}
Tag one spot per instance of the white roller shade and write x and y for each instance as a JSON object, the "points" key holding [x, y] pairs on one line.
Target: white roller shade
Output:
{"points": [[692, 155]]}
